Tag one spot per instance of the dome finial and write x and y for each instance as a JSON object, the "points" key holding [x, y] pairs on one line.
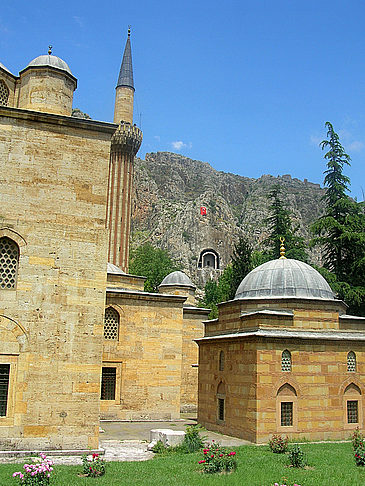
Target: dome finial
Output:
{"points": [[129, 30], [50, 50], [282, 247]]}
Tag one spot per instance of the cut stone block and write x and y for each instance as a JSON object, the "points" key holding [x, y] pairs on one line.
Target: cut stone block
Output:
{"points": [[167, 436]]}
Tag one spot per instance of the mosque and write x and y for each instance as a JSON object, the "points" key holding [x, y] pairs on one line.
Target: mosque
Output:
{"points": [[79, 338]]}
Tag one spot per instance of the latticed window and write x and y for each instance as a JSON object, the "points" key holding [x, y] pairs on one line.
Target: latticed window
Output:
{"points": [[351, 361], [9, 258], [352, 412], [111, 323], [4, 93], [4, 387], [221, 408], [286, 361], [286, 415], [221, 361], [108, 382]]}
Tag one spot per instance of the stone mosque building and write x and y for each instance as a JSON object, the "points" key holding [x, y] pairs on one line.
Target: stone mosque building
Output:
{"points": [[79, 338]]}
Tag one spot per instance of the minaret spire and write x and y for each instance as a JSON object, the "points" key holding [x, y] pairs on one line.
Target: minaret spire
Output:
{"points": [[124, 95], [126, 69], [124, 145]]}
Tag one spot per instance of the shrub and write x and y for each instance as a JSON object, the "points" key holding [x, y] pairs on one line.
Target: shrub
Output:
{"points": [[193, 441], [296, 457], [278, 444], [159, 447], [360, 456], [218, 459], [36, 474], [93, 465], [357, 439]]}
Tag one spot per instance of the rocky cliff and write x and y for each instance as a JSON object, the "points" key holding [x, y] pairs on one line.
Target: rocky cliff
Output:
{"points": [[169, 191]]}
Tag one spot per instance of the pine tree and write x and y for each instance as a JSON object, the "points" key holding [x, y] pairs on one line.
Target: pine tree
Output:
{"points": [[341, 230], [330, 228], [280, 225]]}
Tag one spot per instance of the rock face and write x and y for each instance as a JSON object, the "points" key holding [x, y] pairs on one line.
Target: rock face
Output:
{"points": [[170, 190]]}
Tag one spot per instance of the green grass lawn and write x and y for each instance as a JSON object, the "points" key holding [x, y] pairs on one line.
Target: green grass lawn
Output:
{"points": [[331, 465]]}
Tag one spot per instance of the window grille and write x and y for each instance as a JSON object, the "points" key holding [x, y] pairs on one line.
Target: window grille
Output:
{"points": [[286, 361], [111, 323], [286, 414], [351, 361], [221, 361], [9, 258], [4, 93], [352, 412], [221, 408], [4, 386], [108, 382]]}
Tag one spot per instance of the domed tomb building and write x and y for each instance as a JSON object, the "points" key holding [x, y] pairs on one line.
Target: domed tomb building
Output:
{"points": [[283, 357]]}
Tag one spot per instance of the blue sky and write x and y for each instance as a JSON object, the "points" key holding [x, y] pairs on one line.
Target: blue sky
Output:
{"points": [[244, 85]]}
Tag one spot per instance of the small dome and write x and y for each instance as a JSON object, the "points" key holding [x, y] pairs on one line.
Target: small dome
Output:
{"points": [[114, 270], [177, 278], [284, 278], [49, 60]]}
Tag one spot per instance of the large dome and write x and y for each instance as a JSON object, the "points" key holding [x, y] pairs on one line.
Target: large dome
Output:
{"points": [[49, 60], [284, 278]]}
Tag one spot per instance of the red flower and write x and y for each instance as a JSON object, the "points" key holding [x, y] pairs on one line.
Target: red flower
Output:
{"points": [[201, 462], [212, 455]]}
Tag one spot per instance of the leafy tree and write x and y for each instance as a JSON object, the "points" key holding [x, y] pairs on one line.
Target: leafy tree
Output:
{"points": [[279, 224], [77, 113], [152, 263], [215, 292], [341, 230]]}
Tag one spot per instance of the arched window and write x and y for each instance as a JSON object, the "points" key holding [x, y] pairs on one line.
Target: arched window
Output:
{"points": [[286, 400], [4, 93], [286, 361], [353, 409], [111, 324], [208, 259], [9, 259], [221, 361], [351, 361], [221, 397]]}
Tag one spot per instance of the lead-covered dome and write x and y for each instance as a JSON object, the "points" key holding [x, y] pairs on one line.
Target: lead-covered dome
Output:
{"points": [[177, 278], [50, 60], [284, 278]]}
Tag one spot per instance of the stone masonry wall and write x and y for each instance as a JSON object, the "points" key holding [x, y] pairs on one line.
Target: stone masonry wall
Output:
{"points": [[319, 377], [147, 356], [53, 204]]}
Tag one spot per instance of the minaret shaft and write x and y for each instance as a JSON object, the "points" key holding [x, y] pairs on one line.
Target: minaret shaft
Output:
{"points": [[120, 208], [124, 99]]}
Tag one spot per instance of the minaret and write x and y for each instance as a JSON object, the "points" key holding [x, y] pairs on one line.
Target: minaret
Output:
{"points": [[124, 146]]}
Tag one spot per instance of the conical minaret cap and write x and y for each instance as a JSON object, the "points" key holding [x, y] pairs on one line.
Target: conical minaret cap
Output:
{"points": [[126, 69]]}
